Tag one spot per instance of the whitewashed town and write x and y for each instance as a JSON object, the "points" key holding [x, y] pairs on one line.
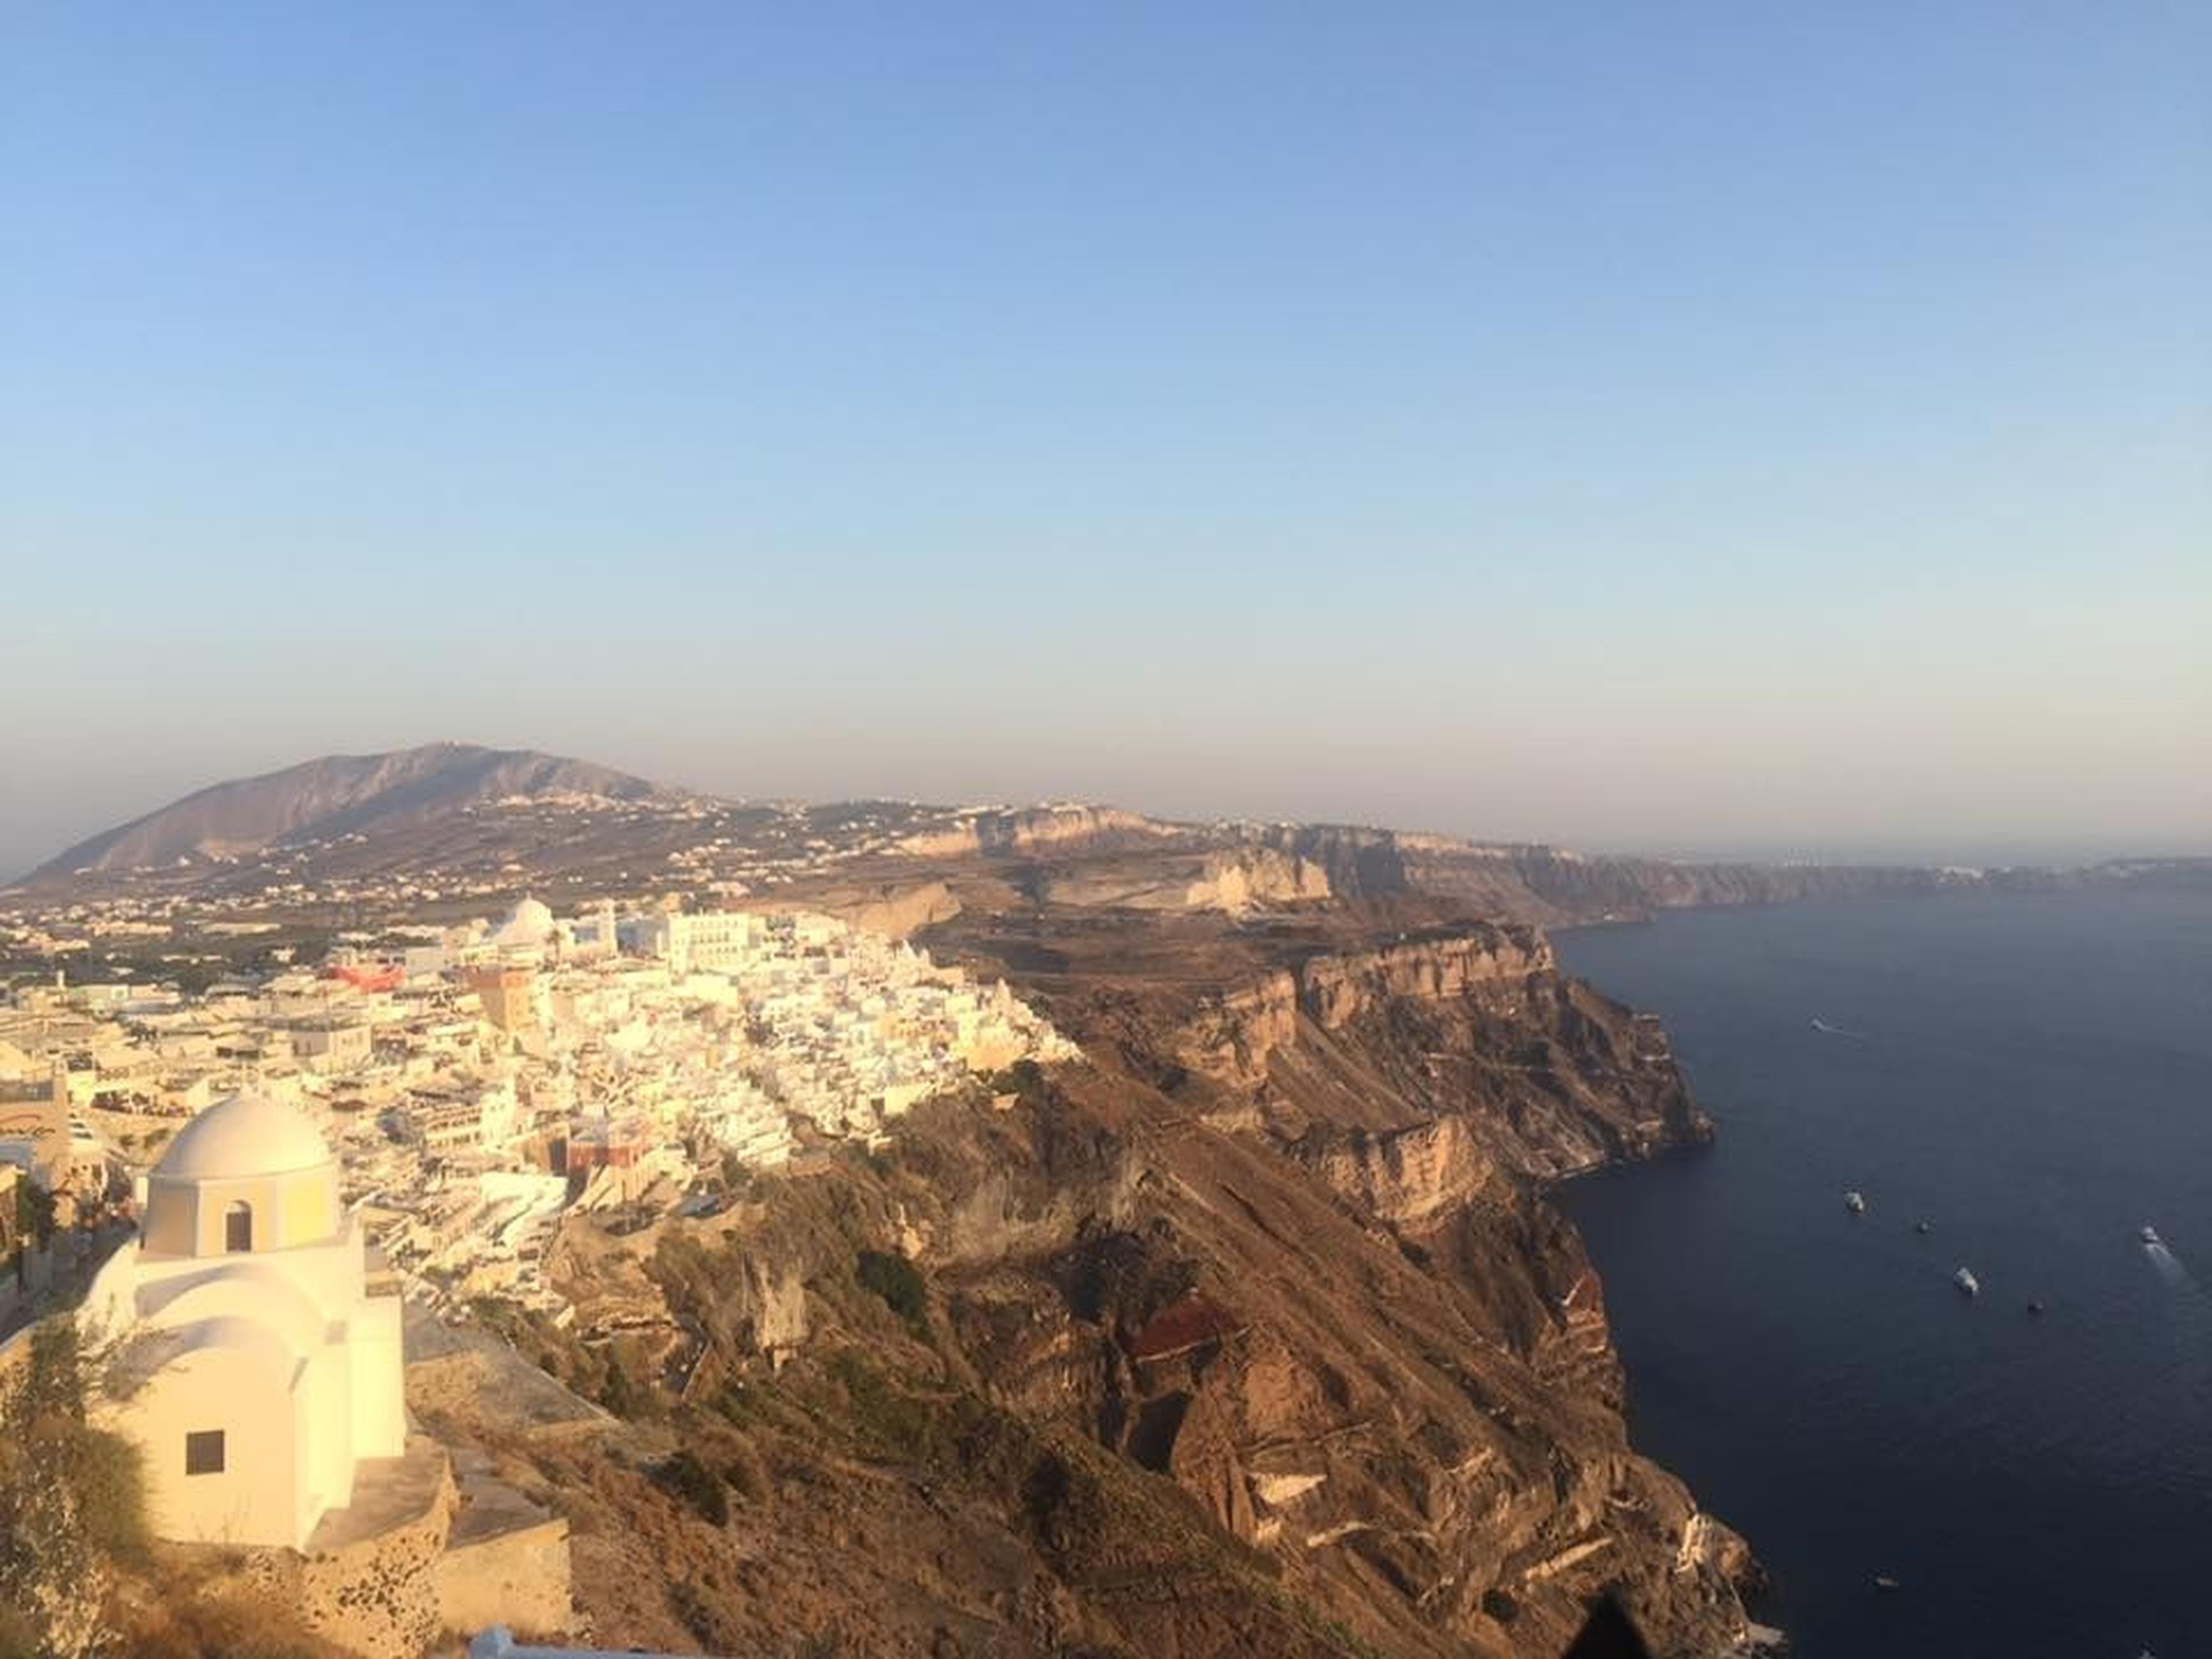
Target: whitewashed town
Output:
{"points": [[481, 1081]]}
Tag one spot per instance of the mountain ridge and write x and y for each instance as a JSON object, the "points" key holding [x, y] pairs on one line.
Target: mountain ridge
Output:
{"points": [[338, 794], [420, 810]]}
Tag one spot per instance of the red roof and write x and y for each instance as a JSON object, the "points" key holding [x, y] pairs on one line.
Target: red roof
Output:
{"points": [[383, 976], [1194, 1320]]}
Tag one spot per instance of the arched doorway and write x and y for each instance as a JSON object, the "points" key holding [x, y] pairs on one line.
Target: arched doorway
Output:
{"points": [[238, 1226]]}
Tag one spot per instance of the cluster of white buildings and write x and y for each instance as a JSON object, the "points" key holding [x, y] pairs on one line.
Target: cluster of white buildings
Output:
{"points": [[176, 915], [482, 1080]]}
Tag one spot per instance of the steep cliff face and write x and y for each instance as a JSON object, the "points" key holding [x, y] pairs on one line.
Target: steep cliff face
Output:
{"points": [[1237, 1033], [1233, 881], [1409, 1176], [1028, 828], [1545, 883], [1477, 1024], [1585, 887], [891, 909], [1490, 964], [1256, 1337], [1236, 881]]}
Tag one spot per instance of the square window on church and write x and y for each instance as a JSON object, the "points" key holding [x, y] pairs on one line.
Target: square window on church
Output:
{"points": [[203, 1451]]}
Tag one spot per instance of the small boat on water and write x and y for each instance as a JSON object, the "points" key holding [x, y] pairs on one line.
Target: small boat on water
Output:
{"points": [[1882, 1581], [1855, 1201], [1923, 1228], [2149, 1236], [1965, 1279], [2035, 1308]]}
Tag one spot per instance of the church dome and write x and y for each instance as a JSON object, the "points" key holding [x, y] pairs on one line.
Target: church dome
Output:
{"points": [[528, 923], [243, 1138]]}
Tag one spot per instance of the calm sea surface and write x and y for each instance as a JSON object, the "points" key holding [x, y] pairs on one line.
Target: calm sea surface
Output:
{"points": [[2031, 1075]]}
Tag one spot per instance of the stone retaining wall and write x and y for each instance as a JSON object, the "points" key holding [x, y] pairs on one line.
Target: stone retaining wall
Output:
{"points": [[518, 1579]]}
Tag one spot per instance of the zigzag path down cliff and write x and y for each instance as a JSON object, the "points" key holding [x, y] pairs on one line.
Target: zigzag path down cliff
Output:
{"points": [[1249, 1334]]}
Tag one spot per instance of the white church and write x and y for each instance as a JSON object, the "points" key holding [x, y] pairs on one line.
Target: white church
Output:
{"points": [[249, 1362]]}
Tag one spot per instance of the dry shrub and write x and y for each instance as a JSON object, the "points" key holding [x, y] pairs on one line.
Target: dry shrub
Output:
{"points": [[747, 1471], [233, 1621]]}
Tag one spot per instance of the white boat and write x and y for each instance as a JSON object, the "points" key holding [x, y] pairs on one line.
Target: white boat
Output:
{"points": [[1855, 1201], [2149, 1236], [1965, 1279]]}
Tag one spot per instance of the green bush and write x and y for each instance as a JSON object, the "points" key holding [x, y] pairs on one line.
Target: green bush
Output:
{"points": [[34, 1213], [890, 1422], [618, 1392], [747, 1473], [899, 1282], [1025, 1079], [1067, 1513], [69, 1499], [111, 1485], [687, 1476]]}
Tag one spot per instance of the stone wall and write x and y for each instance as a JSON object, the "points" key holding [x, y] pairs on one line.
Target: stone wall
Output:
{"points": [[518, 1579], [380, 1597]]}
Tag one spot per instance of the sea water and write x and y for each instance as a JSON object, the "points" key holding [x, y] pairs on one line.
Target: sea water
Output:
{"points": [[2032, 1076]]}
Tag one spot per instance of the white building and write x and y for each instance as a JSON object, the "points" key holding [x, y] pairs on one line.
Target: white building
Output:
{"points": [[251, 1366], [711, 941], [527, 933], [330, 1045]]}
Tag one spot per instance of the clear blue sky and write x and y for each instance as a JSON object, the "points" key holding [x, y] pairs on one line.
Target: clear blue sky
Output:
{"points": [[1680, 426]]}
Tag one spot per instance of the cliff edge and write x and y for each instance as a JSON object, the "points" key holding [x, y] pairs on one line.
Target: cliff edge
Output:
{"points": [[1250, 1333]]}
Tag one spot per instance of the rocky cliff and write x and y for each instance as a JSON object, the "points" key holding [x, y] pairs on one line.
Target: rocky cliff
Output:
{"points": [[1235, 1034], [1234, 880], [1551, 883], [1253, 1335], [1474, 1024], [1027, 828]]}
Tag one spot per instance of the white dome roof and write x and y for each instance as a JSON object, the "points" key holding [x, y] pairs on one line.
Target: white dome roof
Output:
{"points": [[528, 923], [242, 1137]]}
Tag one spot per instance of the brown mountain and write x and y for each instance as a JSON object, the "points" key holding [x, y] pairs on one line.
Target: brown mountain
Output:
{"points": [[338, 795]]}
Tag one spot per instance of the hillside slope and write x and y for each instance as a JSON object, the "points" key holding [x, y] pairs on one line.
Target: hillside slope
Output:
{"points": [[1252, 1334], [338, 795]]}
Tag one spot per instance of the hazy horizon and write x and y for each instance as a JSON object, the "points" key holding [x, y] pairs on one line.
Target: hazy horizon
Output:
{"points": [[1724, 430], [1968, 848]]}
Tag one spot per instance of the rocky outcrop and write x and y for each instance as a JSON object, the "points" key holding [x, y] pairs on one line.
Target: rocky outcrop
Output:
{"points": [[1578, 887], [1547, 883], [1349, 1330], [1490, 964], [1234, 882], [1237, 1033], [892, 910], [1544, 1075], [1029, 828], [1407, 1177], [770, 1299]]}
